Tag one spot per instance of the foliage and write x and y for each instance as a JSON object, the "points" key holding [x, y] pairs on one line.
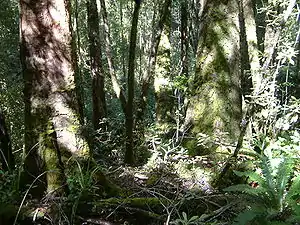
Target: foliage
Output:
{"points": [[81, 182], [269, 198], [8, 187], [275, 195]]}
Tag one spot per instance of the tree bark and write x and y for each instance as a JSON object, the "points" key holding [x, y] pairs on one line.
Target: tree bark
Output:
{"points": [[129, 153], [6, 156], [184, 38], [99, 103], [250, 66], [52, 121], [216, 107]]}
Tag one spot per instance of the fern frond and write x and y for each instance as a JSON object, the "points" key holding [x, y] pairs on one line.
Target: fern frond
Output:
{"points": [[267, 172], [283, 175], [293, 196], [269, 185], [284, 172], [294, 189]]}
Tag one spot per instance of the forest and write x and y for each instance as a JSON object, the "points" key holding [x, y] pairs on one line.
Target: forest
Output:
{"points": [[150, 112]]}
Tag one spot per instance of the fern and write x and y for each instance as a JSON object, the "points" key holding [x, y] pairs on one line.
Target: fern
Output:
{"points": [[246, 189], [269, 180], [293, 198], [269, 199], [282, 179]]}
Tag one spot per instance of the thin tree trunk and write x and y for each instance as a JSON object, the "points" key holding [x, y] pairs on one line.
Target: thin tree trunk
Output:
{"points": [[156, 36], [6, 156], [184, 63], [184, 38], [116, 86], [253, 76], [123, 49], [129, 157], [99, 104], [75, 53]]}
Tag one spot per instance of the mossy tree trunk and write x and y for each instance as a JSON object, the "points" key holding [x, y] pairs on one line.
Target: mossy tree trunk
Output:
{"points": [[216, 106], [6, 156], [52, 123], [99, 103]]}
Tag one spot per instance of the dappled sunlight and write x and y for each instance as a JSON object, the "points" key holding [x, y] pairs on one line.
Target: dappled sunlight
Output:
{"points": [[149, 112]]}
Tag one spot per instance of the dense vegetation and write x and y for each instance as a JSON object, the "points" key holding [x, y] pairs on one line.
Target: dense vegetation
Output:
{"points": [[150, 112]]}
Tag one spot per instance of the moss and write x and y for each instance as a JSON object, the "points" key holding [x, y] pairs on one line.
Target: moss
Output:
{"points": [[49, 152], [216, 104], [53, 177]]}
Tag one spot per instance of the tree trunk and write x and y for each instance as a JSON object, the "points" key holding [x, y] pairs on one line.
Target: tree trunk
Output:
{"points": [[251, 76], [6, 157], [116, 85], [215, 109], [156, 36], [184, 38], [76, 45], [52, 124], [99, 104], [129, 156]]}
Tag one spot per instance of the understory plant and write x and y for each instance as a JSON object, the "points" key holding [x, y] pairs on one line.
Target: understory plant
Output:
{"points": [[273, 193]]}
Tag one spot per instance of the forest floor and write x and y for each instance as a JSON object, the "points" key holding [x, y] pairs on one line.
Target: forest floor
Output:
{"points": [[164, 191], [160, 192]]}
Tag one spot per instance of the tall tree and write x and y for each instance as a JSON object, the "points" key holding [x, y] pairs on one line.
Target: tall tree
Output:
{"points": [[215, 109], [52, 122], [129, 156], [99, 103], [76, 45]]}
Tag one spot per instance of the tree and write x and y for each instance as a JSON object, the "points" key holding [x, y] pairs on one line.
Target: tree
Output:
{"points": [[148, 75], [120, 93], [215, 108], [52, 125], [99, 103], [76, 45], [129, 157]]}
